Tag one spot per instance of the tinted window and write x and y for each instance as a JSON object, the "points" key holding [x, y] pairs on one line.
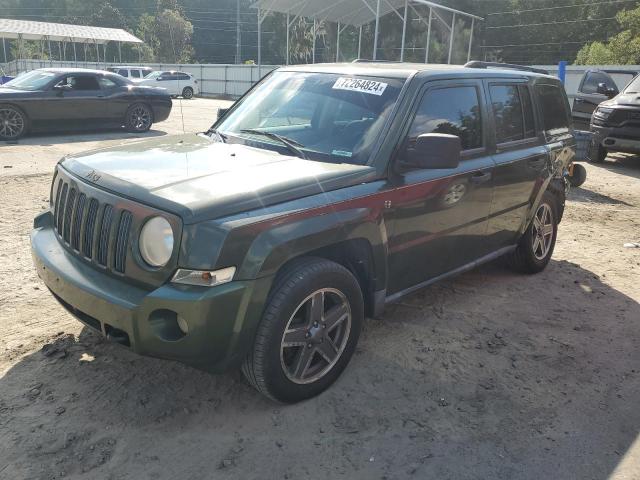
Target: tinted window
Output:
{"points": [[183, 76], [454, 110], [123, 72], [555, 108], [512, 112], [106, 83], [80, 83], [591, 81], [135, 73]]}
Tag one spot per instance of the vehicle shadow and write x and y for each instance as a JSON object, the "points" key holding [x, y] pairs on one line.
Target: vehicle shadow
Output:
{"points": [[80, 136], [622, 163], [490, 375], [585, 195]]}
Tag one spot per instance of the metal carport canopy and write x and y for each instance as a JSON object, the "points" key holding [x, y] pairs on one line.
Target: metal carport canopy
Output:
{"points": [[61, 32], [358, 13]]}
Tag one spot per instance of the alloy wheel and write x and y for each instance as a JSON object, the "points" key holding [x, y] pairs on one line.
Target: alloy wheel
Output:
{"points": [[542, 231], [315, 336], [140, 118], [11, 123]]}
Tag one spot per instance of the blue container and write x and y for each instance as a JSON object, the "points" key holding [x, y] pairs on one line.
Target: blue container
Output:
{"points": [[583, 141]]}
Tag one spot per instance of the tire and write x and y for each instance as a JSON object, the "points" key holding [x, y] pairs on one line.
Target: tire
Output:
{"points": [[319, 352], [139, 118], [532, 256], [579, 175], [187, 93], [14, 123], [599, 155]]}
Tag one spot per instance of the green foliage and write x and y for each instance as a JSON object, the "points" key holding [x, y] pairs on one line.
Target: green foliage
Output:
{"points": [[622, 49]]}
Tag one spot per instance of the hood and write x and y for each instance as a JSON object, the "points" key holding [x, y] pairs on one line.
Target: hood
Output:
{"points": [[197, 178], [630, 99]]}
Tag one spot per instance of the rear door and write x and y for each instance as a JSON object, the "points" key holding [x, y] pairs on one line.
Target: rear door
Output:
{"points": [[521, 159], [588, 98], [169, 80], [438, 217]]}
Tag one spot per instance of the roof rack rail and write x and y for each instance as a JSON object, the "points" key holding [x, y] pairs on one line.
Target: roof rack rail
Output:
{"points": [[364, 60], [479, 64]]}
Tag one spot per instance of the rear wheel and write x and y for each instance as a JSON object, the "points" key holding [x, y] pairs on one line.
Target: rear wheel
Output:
{"points": [[187, 93], [13, 123], [535, 248], [138, 118], [308, 331]]}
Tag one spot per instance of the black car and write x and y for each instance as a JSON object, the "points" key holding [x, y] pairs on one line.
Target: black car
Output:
{"points": [[615, 124], [67, 99]]}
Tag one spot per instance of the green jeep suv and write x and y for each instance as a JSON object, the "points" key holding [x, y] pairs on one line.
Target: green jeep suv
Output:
{"points": [[324, 193]]}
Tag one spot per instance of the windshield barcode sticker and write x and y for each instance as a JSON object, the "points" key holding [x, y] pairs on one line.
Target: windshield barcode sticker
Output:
{"points": [[359, 85]]}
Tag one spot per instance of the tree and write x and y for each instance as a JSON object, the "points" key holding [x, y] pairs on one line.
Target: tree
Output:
{"points": [[623, 48], [173, 33]]}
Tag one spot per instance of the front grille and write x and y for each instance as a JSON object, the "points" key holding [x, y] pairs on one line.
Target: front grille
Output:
{"points": [[86, 226]]}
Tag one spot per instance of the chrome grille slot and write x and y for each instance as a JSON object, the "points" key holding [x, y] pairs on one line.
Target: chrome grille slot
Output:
{"points": [[89, 227], [68, 212], [57, 203], [77, 222], [103, 235], [122, 238], [60, 210]]}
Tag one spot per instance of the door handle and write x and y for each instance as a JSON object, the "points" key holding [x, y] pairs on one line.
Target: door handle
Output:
{"points": [[480, 177]]}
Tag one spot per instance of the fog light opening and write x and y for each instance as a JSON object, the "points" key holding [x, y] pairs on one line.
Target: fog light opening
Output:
{"points": [[167, 325]]}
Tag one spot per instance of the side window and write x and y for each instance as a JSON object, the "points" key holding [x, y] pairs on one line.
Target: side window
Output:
{"points": [[555, 108], [452, 110], [81, 83], [513, 113], [123, 72], [106, 83], [592, 79], [183, 76], [135, 73]]}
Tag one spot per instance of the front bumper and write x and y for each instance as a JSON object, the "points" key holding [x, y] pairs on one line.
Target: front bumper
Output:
{"points": [[618, 139], [222, 320]]}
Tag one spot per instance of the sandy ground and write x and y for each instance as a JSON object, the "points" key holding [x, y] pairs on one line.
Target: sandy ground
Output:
{"points": [[491, 375]]}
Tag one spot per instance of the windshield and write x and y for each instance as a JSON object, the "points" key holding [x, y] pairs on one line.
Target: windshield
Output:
{"points": [[153, 75], [634, 86], [333, 118], [34, 80]]}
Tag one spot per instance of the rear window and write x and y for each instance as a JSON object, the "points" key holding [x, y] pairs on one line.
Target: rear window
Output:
{"points": [[135, 73], [555, 108], [513, 112], [593, 79]]}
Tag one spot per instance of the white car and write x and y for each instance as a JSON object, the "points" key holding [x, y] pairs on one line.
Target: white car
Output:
{"points": [[132, 73], [177, 83]]}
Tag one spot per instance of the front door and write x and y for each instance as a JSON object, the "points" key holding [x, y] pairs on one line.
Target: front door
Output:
{"points": [[438, 217], [82, 102], [588, 98]]}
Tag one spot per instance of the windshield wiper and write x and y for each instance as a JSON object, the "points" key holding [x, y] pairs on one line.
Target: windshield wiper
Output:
{"points": [[291, 144]]}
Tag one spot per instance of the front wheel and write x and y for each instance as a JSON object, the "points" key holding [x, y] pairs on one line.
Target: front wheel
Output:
{"points": [[308, 332], [138, 118], [535, 248], [187, 93], [13, 123], [599, 155]]}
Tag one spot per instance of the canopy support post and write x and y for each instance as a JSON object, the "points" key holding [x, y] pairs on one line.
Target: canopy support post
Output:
{"points": [[120, 52], [404, 29], [313, 53], [287, 61], [75, 54], [4, 49], [426, 55], [97, 53], [360, 42], [338, 43], [375, 35], [453, 27], [259, 42], [50, 54], [473, 20]]}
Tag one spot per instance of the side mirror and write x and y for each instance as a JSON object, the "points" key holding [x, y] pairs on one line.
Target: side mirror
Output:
{"points": [[159, 78], [604, 90], [222, 112], [433, 150]]}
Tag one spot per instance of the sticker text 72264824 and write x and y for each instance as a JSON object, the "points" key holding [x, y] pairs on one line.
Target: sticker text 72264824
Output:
{"points": [[360, 85]]}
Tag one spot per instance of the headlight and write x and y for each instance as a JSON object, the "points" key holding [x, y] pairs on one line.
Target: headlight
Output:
{"points": [[204, 278], [603, 112], [156, 242]]}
